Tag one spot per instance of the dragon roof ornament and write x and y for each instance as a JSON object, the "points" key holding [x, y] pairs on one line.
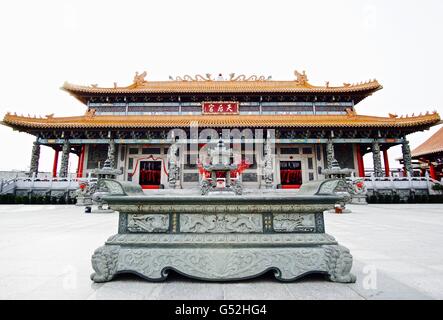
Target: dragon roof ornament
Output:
{"points": [[139, 79], [301, 78], [209, 77], [217, 83]]}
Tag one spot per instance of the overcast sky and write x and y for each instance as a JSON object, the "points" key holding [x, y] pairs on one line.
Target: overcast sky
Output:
{"points": [[44, 43]]}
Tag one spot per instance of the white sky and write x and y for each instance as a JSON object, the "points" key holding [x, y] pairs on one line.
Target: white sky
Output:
{"points": [[44, 43]]}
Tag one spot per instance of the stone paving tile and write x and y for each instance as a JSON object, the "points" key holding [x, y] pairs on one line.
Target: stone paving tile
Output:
{"points": [[135, 287], [382, 286], [17, 286], [402, 252], [64, 287], [264, 288], [187, 289], [319, 288], [111, 293]]}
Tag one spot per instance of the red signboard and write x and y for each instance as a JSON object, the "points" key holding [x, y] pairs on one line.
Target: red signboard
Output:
{"points": [[220, 107]]}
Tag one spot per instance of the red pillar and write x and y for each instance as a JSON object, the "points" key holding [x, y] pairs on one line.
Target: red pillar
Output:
{"points": [[432, 172], [360, 163], [81, 160], [386, 161], [82, 163], [78, 165], [54, 165]]}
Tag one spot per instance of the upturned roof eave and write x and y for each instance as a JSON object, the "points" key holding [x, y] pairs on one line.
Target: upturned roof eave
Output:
{"points": [[256, 121]]}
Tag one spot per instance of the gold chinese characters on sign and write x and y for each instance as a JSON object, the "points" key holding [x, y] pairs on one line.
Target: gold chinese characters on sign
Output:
{"points": [[220, 107]]}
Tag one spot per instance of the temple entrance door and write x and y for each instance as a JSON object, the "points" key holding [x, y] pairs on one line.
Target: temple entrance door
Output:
{"points": [[290, 174], [150, 174]]}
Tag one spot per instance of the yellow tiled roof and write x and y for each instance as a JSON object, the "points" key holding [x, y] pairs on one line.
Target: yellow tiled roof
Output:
{"points": [[264, 86], [227, 121], [433, 145]]}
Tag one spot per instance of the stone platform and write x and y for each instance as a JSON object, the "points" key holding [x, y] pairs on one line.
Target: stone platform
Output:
{"points": [[222, 237]]}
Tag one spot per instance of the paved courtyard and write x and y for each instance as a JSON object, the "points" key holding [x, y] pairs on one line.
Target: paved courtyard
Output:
{"points": [[45, 254]]}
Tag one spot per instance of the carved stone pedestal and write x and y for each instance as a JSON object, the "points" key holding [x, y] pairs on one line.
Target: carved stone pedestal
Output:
{"points": [[222, 238], [218, 263]]}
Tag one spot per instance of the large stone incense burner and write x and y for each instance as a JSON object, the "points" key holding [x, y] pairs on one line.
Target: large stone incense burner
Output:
{"points": [[222, 237], [220, 163]]}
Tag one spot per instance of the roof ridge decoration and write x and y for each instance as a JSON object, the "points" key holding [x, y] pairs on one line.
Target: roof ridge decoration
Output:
{"points": [[232, 77], [301, 78], [370, 84], [234, 83], [242, 77], [139, 79], [90, 113], [197, 77]]}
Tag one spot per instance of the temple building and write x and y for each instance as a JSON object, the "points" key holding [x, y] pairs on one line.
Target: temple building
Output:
{"points": [[308, 125], [430, 155]]}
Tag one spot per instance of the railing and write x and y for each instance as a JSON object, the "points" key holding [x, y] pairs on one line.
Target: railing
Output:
{"points": [[33, 183], [7, 185], [400, 183]]}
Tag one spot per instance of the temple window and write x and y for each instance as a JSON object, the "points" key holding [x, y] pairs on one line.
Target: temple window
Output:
{"points": [[310, 164], [188, 164], [151, 151], [190, 177], [289, 151], [133, 150], [97, 155], [130, 163], [318, 153], [249, 177], [250, 158]]}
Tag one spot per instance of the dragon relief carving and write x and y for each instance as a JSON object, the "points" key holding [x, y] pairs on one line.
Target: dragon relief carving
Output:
{"points": [[148, 222], [294, 222], [224, 263], [225, 223]]}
